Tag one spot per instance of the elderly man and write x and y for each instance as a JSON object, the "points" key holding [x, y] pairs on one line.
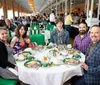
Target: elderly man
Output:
{"points": [[82, 40], [92, 64]]}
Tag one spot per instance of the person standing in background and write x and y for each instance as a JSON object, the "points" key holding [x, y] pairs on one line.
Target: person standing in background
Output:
{"points": [[52, 18], [68, 22]]}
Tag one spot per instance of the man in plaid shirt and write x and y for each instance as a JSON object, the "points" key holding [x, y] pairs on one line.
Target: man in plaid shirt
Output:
{"points": [[92, 64]]}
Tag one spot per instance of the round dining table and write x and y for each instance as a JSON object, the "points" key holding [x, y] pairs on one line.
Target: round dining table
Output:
{"points": [[54, 75]]}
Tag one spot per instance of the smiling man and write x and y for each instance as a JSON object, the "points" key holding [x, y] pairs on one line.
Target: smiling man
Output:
{"points": [[92, 64], [82, 40]]}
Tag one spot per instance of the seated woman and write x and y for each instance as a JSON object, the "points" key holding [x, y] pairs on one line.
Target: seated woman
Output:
{"points": [[60, 36], [18, 43], [29, 43], [10, 26], [6, 58]]}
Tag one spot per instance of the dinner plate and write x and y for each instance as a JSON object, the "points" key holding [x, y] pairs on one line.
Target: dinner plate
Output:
{"points": [[19, 60], [25, 53], [71, 61], [76, 56], [49, 47], [28, 52], [45, 64], [32, 63], [30, 58]]}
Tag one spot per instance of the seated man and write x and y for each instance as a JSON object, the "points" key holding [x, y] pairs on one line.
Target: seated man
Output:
{"points": [[92, 64], [82, 40], [59, 36]]}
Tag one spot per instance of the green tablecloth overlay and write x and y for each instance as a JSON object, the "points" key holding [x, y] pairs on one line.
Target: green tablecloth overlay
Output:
{"points": [[38, 38]]}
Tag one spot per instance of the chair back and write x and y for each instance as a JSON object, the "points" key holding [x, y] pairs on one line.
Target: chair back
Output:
{"points": [[34, 29], [49, 27], [38, 38], [10, 35]]}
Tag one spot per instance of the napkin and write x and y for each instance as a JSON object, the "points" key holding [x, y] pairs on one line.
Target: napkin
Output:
{"points": [[13, 71]]}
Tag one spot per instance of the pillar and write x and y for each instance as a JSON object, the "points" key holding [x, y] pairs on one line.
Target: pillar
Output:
{"points": [[13, 10], [56, 8], [70, 6], [18, 10], [4, 3], [66, 7]]}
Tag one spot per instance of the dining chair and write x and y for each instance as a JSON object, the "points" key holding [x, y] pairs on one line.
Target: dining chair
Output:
{"points": [[34, 29], [10, 35], [49, 29], [7, 81], [38, 38]]}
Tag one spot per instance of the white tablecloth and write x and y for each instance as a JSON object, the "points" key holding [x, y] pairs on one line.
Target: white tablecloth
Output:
{"points": [[47, 35], [56, 75]]}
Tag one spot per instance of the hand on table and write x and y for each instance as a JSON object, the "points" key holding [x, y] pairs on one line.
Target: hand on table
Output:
{"points": [[16, 68], [84, 66]]}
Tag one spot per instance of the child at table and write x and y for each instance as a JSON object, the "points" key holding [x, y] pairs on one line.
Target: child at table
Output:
{"points": [[29, 43]]}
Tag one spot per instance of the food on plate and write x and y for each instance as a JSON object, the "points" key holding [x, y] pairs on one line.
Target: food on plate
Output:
{"points": [[45, 58], [52, 64], [58, 49], [26, 54], [77, 52], [69, 46], [71, 61], [33, 64], [72, 51]]}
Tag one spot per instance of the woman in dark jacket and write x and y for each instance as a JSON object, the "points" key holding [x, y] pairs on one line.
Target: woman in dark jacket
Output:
{"points": [[6, 58]]}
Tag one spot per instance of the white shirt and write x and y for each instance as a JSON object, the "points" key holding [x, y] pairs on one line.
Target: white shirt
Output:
{"points": [[52, 17]]}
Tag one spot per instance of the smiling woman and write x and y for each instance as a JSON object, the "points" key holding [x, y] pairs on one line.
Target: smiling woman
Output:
{"points": [[6, 59], [18, 43]]}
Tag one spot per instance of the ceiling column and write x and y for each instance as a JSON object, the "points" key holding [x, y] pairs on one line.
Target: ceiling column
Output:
{"points": [[66, 7], [21, 10], [51, 6], [4, 3], [18, 9], [56, 8], [13, 9], [70, 6]]}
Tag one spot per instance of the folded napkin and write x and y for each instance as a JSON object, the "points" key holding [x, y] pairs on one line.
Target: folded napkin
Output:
{"points": [[13, 71]]}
